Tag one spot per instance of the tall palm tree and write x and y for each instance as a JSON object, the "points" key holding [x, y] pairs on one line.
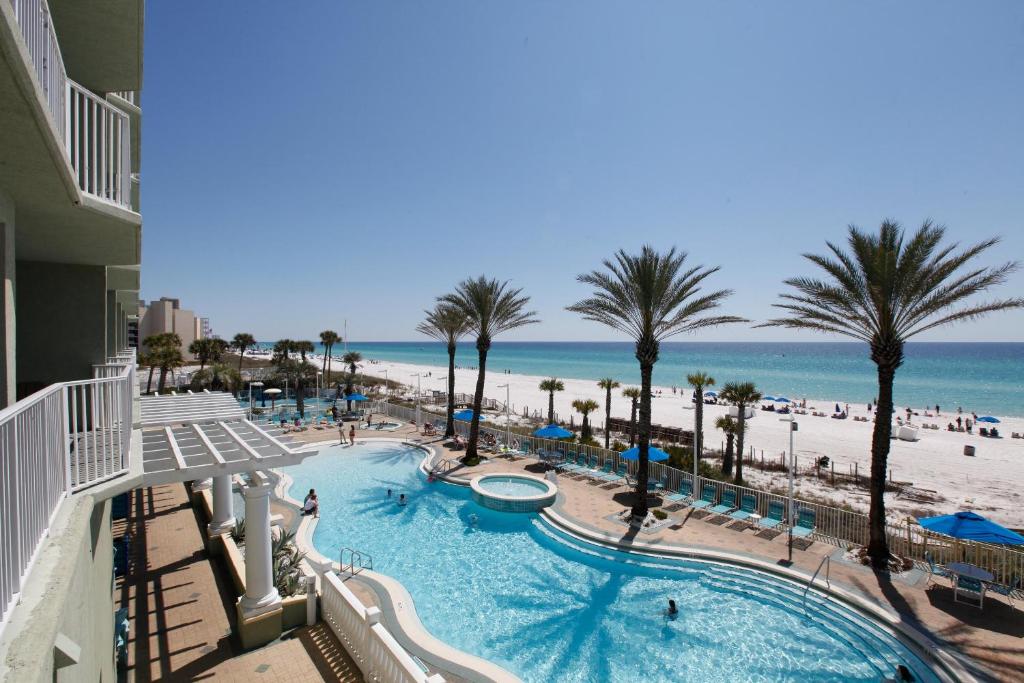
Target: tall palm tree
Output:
{"points": [[303, 348], [282, 349], [742, 394], [328, 338], [585, 407], [352, 359], [633, 394], [650, 297], [298, 372], [607, 384], [885, 289], [446, 324], [699, 381], [205, 350], [490, 307], [551, 385], [242, 342], [165, 353], [729, 426]]}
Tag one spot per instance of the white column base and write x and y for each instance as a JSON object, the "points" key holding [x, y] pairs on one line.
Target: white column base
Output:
{"points": [[222, 528], [252, 607]]}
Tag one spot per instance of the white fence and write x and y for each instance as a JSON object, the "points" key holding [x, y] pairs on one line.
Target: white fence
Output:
{"points": [[375, 651], [58, 441], [96, 136], [832, 524]]}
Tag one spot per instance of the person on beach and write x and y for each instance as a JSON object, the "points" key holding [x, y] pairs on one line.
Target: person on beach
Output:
{"points": [[352, 435], [968, 424], [959, 422], [937, 411]]}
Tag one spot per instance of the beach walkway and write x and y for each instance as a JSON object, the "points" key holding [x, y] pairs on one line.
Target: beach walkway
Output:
{"points": [[993, 637]]}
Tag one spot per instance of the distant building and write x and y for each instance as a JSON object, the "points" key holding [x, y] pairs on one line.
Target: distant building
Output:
{"points": [[167, 315]]}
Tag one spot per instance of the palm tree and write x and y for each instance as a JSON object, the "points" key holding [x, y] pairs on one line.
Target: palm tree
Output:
{"points": [[607, 384], [742, 394], [490, 307], [299, 373], [729, 426], [650, 297], [282, 347], [303, 348], [699, 381], [165, 353], [585, 407], [551, 386], [352, 359], [145, 359], [242, 342], [207, 350], [328, 338], [883, 291], [633, 394], [446, 324]]}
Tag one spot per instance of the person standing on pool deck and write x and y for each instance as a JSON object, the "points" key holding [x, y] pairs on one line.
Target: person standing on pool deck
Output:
{"points": [[341, 433], [369, 420], [352, 435]]}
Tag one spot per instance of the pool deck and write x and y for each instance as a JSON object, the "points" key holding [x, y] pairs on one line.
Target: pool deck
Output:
{"points": [[992, 637]]}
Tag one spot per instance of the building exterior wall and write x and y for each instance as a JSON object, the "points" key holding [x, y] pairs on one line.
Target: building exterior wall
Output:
{"points": [[167, 316], [7, 279]]}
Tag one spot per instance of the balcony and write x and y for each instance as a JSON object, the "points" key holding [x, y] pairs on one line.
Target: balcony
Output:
{"points": [[94, 134]]}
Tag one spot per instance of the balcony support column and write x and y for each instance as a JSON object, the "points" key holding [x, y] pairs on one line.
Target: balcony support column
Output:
{"points": [[223, 520], [261, 595]]}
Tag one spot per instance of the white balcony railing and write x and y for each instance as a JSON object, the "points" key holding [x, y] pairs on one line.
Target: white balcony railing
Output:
{"points": [[95, 135], [56, 442], [99, 146]]}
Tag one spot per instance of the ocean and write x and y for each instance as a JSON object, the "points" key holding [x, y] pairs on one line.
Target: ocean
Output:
{"points": [[986, 378]]}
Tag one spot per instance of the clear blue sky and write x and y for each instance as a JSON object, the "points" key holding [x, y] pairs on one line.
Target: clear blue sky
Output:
{"points": [[309, 162]]}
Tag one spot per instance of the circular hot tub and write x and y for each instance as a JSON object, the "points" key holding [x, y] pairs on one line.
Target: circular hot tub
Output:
{"points": [[513, 492]]}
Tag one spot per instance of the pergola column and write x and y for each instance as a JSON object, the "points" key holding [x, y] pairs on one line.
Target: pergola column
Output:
{"points": [[260, 592], [223, 517]]}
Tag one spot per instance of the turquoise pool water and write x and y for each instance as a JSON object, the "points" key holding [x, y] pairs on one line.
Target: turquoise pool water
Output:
{"points": [[513, 486], [508, 588]]}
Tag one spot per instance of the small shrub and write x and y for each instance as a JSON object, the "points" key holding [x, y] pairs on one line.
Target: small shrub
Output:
{"points": [[660, 514]]}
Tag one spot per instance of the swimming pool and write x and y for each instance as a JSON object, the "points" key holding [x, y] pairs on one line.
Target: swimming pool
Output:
{"points": [[511, 589], [518, 487]]}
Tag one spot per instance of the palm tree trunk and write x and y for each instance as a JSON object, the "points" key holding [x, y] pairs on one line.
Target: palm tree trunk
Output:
{"points": [[632, 423], [878, 545], [644, 440], [328, 353], [585, 428], [478, 399], [740, 422], [607, 416], [300, 401], [162, 380], [551, 407], [729, 439], [449, 423], [241, 356], [149, 382], [323, 367]]}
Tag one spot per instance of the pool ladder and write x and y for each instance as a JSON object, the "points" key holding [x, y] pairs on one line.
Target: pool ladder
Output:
{"points": [[445, 466], [826, 562], [357, 561]]}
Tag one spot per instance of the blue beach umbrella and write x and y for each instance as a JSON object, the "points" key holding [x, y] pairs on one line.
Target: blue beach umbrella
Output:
{"points": [[782, 399], [653, 454], [466, 416], [711, 393], [769, 398], [553, 431], [356, 397], [973, 527], [988, 418]]}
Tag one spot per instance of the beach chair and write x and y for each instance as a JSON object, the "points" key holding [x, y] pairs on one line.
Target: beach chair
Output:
{"points": [[727, 504], [776, 511], [615, 475], [934, 569], [707, 497], [983, 431], [570, 465], [805, 521], [682, 493], [1006, 591], [972, 589], [654, 485], [748, 506]]}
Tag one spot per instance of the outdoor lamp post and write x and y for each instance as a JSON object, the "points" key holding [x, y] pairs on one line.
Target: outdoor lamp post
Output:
{"points": [[251, 385], [418, 421], [318, 376], [508, 428], [793, 426]]}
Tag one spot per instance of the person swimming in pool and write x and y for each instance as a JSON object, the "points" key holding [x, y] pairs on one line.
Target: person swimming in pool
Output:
{"points": [[672, 612], [401, 499]]}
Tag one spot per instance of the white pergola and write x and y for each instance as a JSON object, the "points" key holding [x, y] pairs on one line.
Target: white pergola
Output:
{"points": [[204, 436]]}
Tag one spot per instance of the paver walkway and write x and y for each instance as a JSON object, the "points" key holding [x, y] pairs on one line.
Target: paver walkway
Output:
{"points": [[182, 614]]}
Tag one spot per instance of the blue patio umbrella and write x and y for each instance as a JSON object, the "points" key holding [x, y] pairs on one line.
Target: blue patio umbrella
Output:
{"points": [[653, 454], [711, 393], [769, 398], [553, 431], [356, 397], [782, 399], [973, 527], [466, 416], [988, 418]]}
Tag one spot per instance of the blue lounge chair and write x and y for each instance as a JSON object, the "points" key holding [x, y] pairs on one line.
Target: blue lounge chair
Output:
{"points": [[707, 497], [605, 473], [654, 485], [748, 506], [613, 474], [682, 493], [1006, 591], [776, 510], [805, 520], [727, 504], [570, 465]]}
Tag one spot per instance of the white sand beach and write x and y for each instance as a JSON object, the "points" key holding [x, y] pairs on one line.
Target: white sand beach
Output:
{"points": [[942, 478]]}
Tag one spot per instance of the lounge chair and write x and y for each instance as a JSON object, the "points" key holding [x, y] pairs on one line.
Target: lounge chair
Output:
{"points": [[707, 497], [748, 506], [1006, 591], [570, 465], [684, 491], [776, 511], [805, 522], [934, 569], [605, 473], [969, 588], [727, 504], [654, 485], [615, 475]]}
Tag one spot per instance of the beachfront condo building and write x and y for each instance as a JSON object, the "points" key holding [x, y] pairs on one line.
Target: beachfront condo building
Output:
{"points": [[167, 316], [70, 252]]}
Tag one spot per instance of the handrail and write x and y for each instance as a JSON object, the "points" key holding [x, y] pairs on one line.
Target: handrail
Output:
{"points": [[352, 568], [825, 562], [445, 466]]}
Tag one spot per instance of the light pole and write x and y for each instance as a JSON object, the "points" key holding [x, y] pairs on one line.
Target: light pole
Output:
{"points": [[318, 376], [251, 385], [793, 426], [508, 428]]}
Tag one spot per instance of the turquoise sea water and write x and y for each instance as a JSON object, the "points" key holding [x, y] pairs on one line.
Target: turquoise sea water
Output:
{"points": [[981, 377], [508, 588]]}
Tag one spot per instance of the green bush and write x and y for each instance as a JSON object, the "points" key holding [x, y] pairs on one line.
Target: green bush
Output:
{"points": [[660, 514]]}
